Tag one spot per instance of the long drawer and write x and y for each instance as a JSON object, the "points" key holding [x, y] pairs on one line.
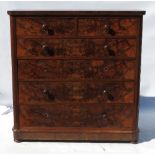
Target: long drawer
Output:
{"points": [[88, 92], [32, 48], [76, 69], [115, 116]]}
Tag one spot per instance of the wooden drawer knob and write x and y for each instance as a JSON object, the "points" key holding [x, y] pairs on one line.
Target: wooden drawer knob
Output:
{"points": [[47, 30], [108, 29], [104, 115], [109, 49], [48, 94], [48, 51], [109, 96], [41, 113]]}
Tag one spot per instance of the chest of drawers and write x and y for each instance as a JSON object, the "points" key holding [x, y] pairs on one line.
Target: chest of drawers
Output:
{"points": [[76, 75]]}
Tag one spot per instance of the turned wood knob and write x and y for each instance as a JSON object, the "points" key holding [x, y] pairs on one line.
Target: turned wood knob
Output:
{"points": [[47, 30], [48, 94], [108, 29], [110, 50], [106, 68], [104, 115], [105, 46], [48, 51], [108, 95]]}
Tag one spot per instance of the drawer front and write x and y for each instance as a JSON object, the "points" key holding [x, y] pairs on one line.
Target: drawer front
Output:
{"points": [[76, 47], [42, 26], [76, 69], [80, 115], [108, 27], [89, 92]]}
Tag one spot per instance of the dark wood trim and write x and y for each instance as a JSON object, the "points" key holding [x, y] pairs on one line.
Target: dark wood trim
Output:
{"points": [[79, 37], [21, 135], [76, 13], [75, 130], [138, 73], [75, 58], [14, 72], [53, 80]]}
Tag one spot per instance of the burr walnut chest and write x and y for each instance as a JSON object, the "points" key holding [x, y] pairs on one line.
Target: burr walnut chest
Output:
{"points": [[76, 75]]}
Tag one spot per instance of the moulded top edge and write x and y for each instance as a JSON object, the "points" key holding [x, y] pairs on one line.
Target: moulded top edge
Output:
{"points": [[76, 13]]}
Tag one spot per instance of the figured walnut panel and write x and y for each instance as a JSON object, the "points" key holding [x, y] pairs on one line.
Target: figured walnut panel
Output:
{"points": [[55, 92], [44, 26], [76, 47], [108, 27], [80, 115], [76, 69]]}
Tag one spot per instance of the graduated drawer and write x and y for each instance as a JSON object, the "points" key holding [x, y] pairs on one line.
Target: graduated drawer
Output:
{"points": [[76, 69], [115, 116], [88, 92], [108, 27], [45, 26], [76, 48]]}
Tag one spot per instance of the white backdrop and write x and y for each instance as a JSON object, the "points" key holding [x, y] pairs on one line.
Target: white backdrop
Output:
{"points": [[148, 53]]}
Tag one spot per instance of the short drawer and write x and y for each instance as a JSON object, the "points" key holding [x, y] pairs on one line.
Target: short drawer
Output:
{"points": [[76, 48], [76, 69], [45, 26], [108, 27], [88, 92], [115, 116]]}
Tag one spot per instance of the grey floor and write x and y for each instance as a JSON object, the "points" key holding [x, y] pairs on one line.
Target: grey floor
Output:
{"points": [[147, 119]]}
